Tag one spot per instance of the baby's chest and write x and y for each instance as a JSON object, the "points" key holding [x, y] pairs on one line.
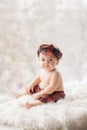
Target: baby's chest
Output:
{"points": [[45, 78]]}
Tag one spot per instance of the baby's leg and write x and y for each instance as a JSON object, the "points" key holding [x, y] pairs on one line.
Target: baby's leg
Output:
{"points": [[33, 104], [17, 95]]}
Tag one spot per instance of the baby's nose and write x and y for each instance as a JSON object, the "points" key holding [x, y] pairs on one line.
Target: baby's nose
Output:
{"points": [[46, 62]]}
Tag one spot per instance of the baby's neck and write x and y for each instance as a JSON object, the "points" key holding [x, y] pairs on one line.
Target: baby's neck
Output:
{"points": [[53, 69], [46, 71]]}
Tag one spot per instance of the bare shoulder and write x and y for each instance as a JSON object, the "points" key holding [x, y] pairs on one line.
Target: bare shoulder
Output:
{"points": [[56, 74]]}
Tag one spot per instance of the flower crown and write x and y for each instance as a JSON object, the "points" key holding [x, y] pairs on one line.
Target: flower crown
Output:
{"points": [[48, 49]]}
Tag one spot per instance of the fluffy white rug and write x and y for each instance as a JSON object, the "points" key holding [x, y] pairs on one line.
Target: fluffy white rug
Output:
{"points": [[67, 114]]}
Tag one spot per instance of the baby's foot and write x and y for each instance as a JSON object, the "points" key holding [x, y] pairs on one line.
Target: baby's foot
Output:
{"points": [[18, 95], [13, 94], [28, 105]]}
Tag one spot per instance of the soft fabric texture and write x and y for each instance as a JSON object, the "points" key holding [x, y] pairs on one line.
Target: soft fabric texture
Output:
{"points": [[67, 114]]}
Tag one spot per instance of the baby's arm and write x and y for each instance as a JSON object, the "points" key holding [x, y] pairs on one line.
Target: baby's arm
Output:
{"points": [[35, 81], [53, 85]]}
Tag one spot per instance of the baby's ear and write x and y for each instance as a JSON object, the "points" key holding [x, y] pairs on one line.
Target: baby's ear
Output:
{"points": [[57, 62]]}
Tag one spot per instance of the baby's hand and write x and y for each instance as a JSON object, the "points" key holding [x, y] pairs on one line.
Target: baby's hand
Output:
{"points": [[29, 89]]}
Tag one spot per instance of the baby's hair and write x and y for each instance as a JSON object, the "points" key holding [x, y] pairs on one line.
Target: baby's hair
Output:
{"points": [[50, 48]]}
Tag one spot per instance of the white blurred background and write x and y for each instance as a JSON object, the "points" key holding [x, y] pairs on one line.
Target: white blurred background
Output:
{"points": [[25, 24]]}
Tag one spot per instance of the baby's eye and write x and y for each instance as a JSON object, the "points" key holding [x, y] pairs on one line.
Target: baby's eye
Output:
{"points": [[50, 59], [43, 59]]}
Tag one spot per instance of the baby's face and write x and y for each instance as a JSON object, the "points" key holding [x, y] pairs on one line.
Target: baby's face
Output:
{"points": [[48, 62]]}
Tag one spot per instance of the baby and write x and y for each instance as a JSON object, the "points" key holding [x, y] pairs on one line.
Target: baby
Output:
{"points": [[47, 86]]}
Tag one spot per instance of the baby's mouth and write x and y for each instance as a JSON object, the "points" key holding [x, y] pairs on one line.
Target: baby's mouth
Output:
{"points": [[46, 66]]}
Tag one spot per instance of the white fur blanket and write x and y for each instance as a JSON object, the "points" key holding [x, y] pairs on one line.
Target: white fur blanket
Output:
{"points": [[67, 114]]}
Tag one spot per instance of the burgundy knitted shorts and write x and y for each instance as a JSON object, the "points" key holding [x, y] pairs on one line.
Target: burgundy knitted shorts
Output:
{"points": [[55, 96]]}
